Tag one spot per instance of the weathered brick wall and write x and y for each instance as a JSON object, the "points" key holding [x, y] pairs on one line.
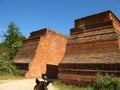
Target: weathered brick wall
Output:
{"points": [[92, 53], [83, 74], [93, 46], [83, 60], [29, 46], [50, 50], [43, 48], [27, 51]]}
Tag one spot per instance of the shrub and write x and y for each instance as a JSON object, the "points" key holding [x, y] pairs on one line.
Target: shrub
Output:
{"points": [[107, 82], [7, 66]]}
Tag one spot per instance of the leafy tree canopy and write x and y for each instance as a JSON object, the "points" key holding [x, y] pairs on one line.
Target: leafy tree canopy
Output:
{"points": [[13, 39], [12, 36]]}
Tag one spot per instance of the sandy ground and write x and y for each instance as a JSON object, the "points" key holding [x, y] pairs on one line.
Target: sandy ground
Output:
{"points": [[23, 84]]}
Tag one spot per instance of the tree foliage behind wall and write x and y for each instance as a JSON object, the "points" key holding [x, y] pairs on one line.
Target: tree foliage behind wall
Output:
{"points": [[8, 49]]}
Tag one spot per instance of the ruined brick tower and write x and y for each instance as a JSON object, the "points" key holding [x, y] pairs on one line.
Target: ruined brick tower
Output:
{"points": [[93, 46], [44, 49]]}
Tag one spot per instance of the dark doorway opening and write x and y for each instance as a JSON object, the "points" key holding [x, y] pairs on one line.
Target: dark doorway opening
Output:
{"points": [[51, 71]]}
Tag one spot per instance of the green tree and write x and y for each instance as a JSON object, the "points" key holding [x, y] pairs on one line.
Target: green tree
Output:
{"points": [[13, 39], [8, 48]]}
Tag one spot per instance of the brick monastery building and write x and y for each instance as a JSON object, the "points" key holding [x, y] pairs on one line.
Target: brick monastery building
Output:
{"points": [[93, 46]]}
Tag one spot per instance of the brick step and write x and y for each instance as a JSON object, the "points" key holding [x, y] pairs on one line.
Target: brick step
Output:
{"points": [[88, 72], [91, 66], [79, 80]]}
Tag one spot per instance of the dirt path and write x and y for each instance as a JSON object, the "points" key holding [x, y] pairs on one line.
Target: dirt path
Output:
{"points": [[23, 84]]}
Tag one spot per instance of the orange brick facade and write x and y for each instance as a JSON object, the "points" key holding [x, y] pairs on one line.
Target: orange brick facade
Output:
{"points": [[42, 48]]}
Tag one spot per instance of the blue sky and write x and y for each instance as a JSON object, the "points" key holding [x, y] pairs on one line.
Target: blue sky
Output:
{"points": [[59, 15]]}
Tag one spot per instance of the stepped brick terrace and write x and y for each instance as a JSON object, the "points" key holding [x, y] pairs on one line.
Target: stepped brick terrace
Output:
{"points": [[93, 46]]}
